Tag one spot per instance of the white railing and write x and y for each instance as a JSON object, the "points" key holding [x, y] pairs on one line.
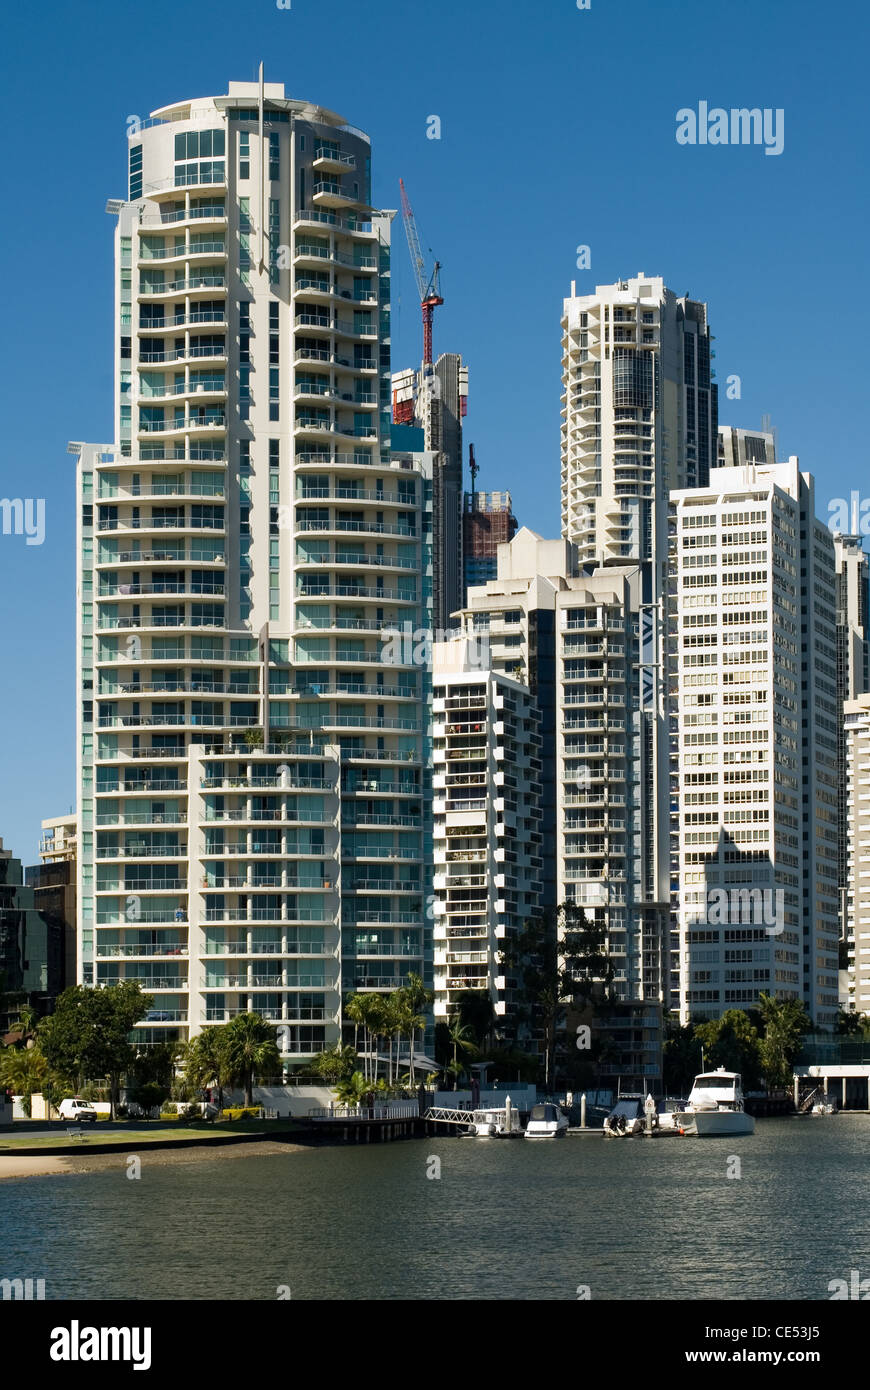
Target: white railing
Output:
{"points": [[390, 1110]]}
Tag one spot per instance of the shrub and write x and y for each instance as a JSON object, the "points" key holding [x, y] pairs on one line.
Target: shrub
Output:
{"points": [[242, 1112]]}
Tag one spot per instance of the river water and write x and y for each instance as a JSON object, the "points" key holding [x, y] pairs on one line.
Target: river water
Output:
{"points": [[505, 1220]]}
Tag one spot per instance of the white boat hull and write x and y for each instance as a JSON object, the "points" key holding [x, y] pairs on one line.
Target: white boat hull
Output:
{"points": [[719, 1122]]}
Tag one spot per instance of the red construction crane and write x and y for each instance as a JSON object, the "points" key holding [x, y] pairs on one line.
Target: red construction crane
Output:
{"points": [[430, 291]]}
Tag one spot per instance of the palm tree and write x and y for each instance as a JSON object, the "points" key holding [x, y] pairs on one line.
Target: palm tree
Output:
{"points": [[785, 1022], [416, 1022], [395, 1013], [354, 1012], [374, 1016], [26, 1022], [460, 1036], [252, 1048], [417, 997], [207, 1061], [548, 1002], [352, 1090]]}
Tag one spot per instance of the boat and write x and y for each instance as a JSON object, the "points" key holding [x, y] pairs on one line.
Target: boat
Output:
{"points": [[493, 1123], [546, 1122], [626, 1118], [824, 1106], [715, 1105]]}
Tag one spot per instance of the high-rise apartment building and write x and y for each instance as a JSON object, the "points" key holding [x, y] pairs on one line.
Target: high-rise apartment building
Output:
{"points": [[486, 827], [852, 565], [250, 769], [435, 399], [857, 731], [639, 415], [573, 636], [487, 522], [754, 691], [516, 614]]}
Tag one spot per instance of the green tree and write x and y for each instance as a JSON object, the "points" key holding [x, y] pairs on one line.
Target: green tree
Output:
{"points": [[252, 1045], [785, 1023], [88, 1035], [25, 1072], [558, 957], [149, 1080], [509, 1064], [851, 1024], [585, 968], [148, 1095], [732, 1042], [335, 1064], [681, 1056], [477, 1012]]}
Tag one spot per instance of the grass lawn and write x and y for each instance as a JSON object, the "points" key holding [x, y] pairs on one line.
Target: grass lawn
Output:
{"points": [[106, 1133]]}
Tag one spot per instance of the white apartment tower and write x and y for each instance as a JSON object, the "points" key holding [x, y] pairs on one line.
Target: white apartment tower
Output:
{"points": [[639, 415], [249, 769], [486, 824], [852, 565], [857, 730], [754, 689], [574, 639]]}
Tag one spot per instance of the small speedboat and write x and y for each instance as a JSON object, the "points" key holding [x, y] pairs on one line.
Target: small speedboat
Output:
{"points": [[824, 1106], [546, 1122], [625, 1119], [495, 1124]]}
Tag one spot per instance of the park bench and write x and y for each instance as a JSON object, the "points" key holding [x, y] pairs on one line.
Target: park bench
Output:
{"points": [[75, 1132]]}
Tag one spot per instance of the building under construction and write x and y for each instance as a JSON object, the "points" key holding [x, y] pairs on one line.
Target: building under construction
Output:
{"points": [[434, 400], [487, 523]]}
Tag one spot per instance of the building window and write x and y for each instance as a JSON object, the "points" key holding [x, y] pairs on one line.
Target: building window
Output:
{"points": [[274, 155], [135, 172], [274, 341], [199, 145], [244, 155]]}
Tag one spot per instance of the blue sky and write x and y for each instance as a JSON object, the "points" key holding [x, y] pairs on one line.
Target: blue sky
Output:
{"points": [[557, 129]]}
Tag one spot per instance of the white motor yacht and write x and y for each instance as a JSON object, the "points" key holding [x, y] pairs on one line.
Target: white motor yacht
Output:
{"points": [[715, 1105], [546, 1122]]}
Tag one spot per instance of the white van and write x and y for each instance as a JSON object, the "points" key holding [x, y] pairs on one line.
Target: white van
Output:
{"points": [[81, 1111]]}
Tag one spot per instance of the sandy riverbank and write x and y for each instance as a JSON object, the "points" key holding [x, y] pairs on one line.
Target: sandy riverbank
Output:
{"points": [[39, 1166]]}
